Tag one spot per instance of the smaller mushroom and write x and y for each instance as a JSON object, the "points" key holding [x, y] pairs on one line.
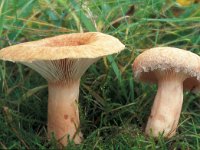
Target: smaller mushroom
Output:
{"points": [[173, 70]]}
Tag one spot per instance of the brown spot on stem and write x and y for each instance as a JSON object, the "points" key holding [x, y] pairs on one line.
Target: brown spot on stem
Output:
{"points": [[65, 117]]}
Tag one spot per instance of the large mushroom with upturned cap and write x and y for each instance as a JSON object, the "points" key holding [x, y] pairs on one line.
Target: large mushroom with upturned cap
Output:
{"points": [[173, 70], [62, 60]]}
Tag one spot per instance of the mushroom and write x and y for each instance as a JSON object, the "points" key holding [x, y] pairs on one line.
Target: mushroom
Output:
{"points": [[173, 70], [62, 60]]}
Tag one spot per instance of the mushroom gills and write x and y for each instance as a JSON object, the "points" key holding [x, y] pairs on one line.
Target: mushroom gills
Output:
{"points": [[64, 70]]}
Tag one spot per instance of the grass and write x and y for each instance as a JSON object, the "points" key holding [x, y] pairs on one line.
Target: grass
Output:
{"points": [[113, 107]]}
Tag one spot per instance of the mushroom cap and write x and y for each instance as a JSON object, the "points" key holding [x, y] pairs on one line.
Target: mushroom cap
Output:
{"points": [[75, 45], [168, 58]]}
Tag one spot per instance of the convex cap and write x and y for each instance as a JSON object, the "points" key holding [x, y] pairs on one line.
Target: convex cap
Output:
{"points": [[168, 58]]}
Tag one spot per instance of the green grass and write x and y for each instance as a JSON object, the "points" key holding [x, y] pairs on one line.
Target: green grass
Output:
{"points": [[113, 107]]}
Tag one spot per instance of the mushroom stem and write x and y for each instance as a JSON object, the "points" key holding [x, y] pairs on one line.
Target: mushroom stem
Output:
{"points": [[167, 105], [63, 114]]}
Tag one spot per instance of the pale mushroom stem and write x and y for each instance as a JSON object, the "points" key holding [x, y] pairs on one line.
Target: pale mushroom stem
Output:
{"points": [[63, 113], [167, 105]]}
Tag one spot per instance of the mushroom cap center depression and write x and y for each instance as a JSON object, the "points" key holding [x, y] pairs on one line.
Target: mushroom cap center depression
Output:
{"points": [[68, 41]]}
